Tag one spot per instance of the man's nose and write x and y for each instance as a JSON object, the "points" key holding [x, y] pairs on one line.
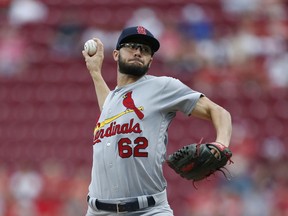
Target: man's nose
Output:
{"points": [[138, 50]]}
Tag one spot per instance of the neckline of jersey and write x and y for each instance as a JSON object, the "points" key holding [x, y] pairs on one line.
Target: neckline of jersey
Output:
{"points": [[117, 88]]}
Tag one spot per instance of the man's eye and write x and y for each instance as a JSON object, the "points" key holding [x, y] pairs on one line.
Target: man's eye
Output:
{"points": [[133, 46], [145, 49]]}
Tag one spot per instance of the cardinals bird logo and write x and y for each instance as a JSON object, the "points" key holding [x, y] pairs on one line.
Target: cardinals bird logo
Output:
{"points": [[128, 102]]}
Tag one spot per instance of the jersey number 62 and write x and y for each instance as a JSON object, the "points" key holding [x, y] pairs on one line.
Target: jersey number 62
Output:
{"points": [[136, 148]]}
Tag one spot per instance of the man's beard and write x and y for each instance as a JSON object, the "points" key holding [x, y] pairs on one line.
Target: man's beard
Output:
{"points": [[132, 69]]}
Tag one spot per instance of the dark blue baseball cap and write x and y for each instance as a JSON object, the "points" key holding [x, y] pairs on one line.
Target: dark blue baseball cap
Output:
{"points": [[140, 35]]}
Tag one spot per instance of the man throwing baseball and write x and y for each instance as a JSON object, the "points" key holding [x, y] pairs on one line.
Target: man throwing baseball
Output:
{"points": [[130, 137]]}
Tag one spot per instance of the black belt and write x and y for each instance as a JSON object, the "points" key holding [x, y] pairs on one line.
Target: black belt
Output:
{"points": [[128, 205]]}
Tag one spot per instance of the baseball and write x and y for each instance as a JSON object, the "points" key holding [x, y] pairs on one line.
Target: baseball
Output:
{"points": [[90, 47]]}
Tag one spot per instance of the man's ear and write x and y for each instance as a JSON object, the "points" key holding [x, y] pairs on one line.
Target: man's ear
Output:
{"points": [[115, 55], [150, 62]]}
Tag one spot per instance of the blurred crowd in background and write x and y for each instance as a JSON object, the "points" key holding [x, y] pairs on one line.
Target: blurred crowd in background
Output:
{"points": [[234, 51]]}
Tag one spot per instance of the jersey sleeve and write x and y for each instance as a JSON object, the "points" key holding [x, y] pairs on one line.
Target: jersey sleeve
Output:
{"points": [[176, 96]]}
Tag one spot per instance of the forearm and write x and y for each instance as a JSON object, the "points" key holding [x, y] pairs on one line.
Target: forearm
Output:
{"points": [[220, 118], [101, 88], [222, 122], [94, 66]]}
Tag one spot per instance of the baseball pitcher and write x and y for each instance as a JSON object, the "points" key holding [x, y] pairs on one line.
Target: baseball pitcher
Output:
{"points": [[130, 137]]}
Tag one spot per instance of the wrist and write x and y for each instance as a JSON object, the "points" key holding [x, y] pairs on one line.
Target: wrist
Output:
{"points": [[95, 74], [221, 143]]}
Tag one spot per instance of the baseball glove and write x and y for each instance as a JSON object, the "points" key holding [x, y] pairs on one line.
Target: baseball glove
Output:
{"points": [[198, 161]]}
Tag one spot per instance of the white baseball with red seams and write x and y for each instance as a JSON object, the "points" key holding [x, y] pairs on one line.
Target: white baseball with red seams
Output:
{"points": [[91, 47]]}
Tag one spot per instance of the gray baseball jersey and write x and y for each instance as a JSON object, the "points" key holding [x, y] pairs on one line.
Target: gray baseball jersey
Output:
{"points": [[130, 138]]}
